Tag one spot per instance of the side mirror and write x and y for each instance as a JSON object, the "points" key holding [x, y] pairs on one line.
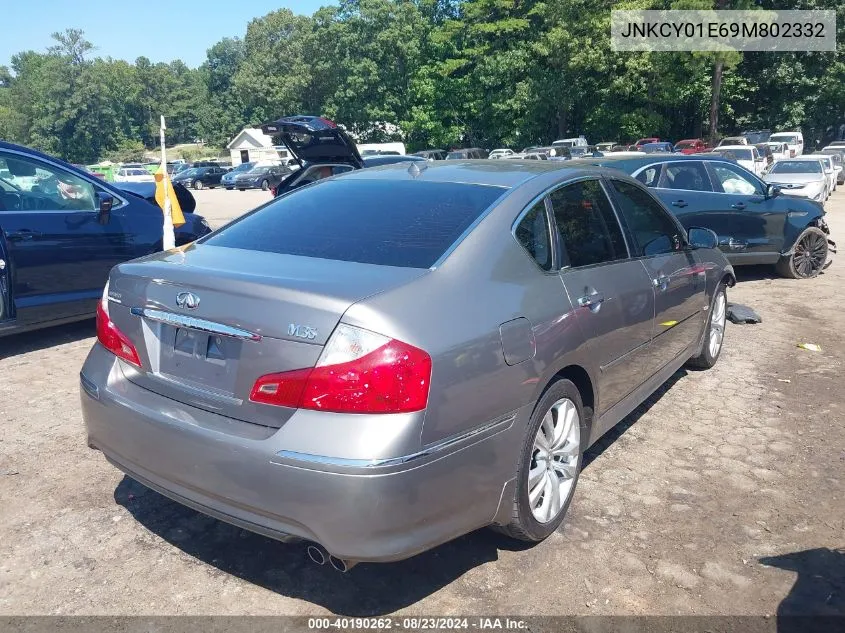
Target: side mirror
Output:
{"points": [[702, 238], [772, 191], [105, 202]]}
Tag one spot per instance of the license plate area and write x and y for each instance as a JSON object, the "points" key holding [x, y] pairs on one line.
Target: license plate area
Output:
{"points": [[200, 359]]}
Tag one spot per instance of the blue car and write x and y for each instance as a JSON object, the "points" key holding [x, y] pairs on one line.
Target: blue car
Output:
{"points": [[61, 231], [755, 224], [228, 179]]}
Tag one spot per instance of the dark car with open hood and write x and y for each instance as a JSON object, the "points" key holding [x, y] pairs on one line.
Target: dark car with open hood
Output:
{"points": [[319, 145]]}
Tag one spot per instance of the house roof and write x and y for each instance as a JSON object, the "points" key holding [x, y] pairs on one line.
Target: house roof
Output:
{"points": [[249, 138]]}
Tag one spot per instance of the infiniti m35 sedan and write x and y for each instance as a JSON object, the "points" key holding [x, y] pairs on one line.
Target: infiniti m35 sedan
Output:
{"points": [[387, 359]]}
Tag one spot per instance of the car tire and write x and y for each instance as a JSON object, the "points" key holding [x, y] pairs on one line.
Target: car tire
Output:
{"points": [[538, 507], [714, 333], [265, 185], [808, 256], [229, 188], [197, 184]]}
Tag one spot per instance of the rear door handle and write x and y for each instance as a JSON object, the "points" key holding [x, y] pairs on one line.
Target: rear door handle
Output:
{"points": [[661, 282], [738, 205], [679, 203], [592, 301], [23, 234]]}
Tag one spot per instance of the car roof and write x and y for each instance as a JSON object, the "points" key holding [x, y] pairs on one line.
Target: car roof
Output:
{"points": [[631, 161], [721, 147], [508, 174]]}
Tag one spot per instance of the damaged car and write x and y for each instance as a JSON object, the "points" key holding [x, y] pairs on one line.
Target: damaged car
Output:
{"points": [[755, 223]]}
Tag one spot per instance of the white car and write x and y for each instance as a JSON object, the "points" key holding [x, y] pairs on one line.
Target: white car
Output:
{"points": [[804, 178], [745, 156], [133, 174], [827, 165], [606, 146], [779, 150], [500, 153], [794, 141]]}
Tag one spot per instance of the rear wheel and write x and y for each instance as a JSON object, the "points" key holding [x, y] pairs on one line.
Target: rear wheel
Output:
{"points": [[714, 335], [197, 184], [808, 257], [265, 185], [549, 464]]}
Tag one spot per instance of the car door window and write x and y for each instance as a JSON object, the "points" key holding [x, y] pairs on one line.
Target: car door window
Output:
{"points": [[649, 176], [588, 228], [653, 229], [532, 233], [730, 179], [43, 187], [686, 175]]}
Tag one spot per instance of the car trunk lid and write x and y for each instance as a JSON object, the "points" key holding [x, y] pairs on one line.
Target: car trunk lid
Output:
{"points": [[207, 321], [313, 139]]}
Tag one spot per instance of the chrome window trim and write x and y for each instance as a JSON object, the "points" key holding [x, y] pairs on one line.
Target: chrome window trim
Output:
{"points": [[94, 182], [432, 449], [194, 323], [705, 162], [549, 227]]}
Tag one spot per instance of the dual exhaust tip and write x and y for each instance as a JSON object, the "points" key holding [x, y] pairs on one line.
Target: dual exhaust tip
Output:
{"points": [[319, 555]]}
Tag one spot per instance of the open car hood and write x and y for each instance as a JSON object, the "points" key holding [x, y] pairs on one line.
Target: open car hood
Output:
{"points": [[313, 139]]}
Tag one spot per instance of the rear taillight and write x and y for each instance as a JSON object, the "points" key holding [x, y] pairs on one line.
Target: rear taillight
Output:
{"points": [[110, 336], [358, 372]]}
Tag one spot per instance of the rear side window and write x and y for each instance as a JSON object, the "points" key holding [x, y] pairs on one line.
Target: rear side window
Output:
{"points": [[384, 222], [649, 176], [588, 227], [687, 175], [654, 232], [532, 233]]}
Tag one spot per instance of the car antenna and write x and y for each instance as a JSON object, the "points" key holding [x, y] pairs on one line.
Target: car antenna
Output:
{"points": [[414, 170]]}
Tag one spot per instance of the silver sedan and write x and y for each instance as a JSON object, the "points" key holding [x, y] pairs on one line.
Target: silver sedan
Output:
{"points": [[385, 360]]}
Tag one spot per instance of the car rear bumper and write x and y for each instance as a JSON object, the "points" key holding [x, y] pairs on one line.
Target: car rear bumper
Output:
{"points": [[238, 472]]}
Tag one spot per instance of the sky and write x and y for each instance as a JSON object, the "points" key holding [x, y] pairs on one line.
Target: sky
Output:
{"points": [[128, 29]]}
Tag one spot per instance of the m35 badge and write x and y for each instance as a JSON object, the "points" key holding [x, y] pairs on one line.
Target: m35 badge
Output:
{"points": [[302, 331]]}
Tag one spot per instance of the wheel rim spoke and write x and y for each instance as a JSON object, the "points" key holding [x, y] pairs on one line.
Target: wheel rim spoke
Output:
{"points": [[555, 460]]}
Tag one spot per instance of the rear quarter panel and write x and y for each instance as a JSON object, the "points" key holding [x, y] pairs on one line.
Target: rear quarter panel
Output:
{"points": [[455, 311]]}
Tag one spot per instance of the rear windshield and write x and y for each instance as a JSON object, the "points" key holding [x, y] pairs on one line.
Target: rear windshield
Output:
{"points": [[788, 138], [385, 222], [797, 167]]}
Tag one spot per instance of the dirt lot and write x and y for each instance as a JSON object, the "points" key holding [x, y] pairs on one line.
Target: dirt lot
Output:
{"points": [[724, 494]]}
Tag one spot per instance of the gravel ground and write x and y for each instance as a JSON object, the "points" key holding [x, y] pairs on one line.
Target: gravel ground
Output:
{"points": [[723, 494]]}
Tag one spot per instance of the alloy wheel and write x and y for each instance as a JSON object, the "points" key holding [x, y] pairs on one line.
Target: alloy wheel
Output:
{"points": [[810, 254], [717, 325], [554, 460]]}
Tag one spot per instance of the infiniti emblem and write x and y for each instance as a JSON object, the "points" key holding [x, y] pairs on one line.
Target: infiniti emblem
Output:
{"points": [[187, 300]]}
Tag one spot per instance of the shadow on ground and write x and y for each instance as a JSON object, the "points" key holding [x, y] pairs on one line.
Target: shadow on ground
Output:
{"points": [[17, 344], [368, 589], [816, 601], [755, 273]]}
